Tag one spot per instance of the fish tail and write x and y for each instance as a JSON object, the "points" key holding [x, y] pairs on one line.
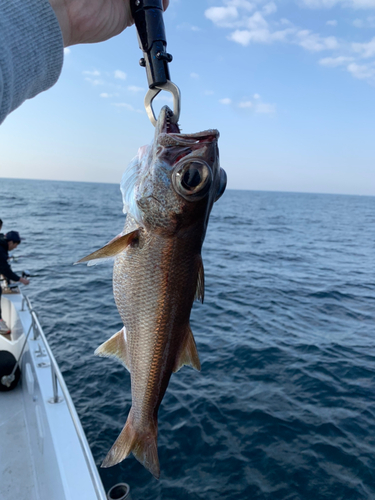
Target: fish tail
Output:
{"points": [[142, 443]]}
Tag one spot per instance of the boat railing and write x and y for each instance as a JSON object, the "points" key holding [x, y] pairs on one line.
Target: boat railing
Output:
{"points": [[57, 379]]}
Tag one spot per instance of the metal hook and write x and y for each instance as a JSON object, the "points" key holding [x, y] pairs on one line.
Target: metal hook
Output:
{"points": [[152, 93]]}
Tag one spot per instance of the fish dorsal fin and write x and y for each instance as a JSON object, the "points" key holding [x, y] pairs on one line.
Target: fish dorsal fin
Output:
{"points": [[112, 248], [115, 347], [199, 292], [188, 354]]}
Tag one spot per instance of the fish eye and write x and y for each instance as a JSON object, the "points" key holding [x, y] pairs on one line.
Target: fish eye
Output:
{"points": [[192, 179], [222, 185]]}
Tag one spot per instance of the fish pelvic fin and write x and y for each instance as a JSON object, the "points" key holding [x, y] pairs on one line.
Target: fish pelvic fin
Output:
{"points": [[143, 445], [115, 347], [199, 292], [113, 248], [188, 354]]}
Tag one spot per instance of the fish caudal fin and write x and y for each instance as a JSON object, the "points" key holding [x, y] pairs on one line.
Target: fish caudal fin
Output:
{"points": [[188, 354], [115, 347], [142, 444], [113, 248]]}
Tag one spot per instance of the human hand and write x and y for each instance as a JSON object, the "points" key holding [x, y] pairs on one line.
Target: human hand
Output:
{"points": [[90, 21], [24, 281]]}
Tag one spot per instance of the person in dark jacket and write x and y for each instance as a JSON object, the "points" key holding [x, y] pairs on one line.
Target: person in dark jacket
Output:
{"points": [[7, 244]]}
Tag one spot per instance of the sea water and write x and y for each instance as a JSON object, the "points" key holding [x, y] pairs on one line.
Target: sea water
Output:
{"points": [[284, 406]]}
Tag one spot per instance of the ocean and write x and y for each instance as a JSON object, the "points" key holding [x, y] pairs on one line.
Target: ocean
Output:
{"points": [[284, 406]]}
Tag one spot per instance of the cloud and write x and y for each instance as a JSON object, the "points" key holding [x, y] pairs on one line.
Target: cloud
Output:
{"points": [[328, 4], [134, 88], [244, 37], [250, 23], [248, 28], [222, 16], [363, 71], [258, 31], [67, 51], [229, 16], [95, 72], [127, 106], [105, 95], [245, 104], [194, 75], [242, 4], [314, 42], [256, 22], [187, 26], [251, 106], [94, 81], [263, 107], [365, 49], [285, 21], [334, 62], [253, 28], [269, 8], [257, 106], [120, 74], [369, 22], [358, 23]]}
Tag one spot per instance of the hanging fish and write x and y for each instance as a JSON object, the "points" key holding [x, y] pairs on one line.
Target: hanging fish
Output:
{"points": [[168, 192]]}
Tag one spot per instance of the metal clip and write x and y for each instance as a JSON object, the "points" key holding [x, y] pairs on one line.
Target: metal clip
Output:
{"points": [[152, 93], [148, 17]]}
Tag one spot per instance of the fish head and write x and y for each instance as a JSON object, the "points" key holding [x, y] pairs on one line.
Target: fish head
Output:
{"points": [[176, 179]]}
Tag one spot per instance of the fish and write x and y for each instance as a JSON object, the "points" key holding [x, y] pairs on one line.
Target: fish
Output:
{"points": [[168, 192]]}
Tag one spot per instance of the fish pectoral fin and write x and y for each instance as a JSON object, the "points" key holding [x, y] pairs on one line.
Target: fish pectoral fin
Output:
{"points": [[141, 442], [115, 347], [199, 292], [113, 248], [188, 354]]}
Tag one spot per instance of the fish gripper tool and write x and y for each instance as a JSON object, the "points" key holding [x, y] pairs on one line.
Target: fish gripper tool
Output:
{"points": [[148, 17]]}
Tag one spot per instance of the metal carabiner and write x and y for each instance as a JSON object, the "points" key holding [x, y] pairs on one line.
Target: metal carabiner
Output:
{"points": [[148, 17], [152, 93]]}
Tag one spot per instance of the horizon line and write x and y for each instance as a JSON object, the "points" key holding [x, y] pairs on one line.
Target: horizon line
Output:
{"points": [[228, 189]]}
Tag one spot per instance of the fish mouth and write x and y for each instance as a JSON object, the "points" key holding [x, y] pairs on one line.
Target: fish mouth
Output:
{"points": [[165, 125]]}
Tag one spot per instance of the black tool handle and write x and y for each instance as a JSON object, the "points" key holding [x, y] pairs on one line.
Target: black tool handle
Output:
{"points": [[148, 17]]}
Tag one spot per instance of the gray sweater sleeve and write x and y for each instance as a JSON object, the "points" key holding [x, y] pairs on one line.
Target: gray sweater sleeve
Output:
{"points": [[31, 51]]}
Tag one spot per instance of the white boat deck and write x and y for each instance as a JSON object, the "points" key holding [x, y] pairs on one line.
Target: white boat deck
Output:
{"points": [[44, 454], [15, 453]]}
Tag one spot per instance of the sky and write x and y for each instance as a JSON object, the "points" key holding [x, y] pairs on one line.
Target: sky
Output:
{"points": [[290, 85]]}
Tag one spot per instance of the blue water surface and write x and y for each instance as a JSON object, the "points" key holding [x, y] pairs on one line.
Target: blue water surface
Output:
{"points": [[283, 408]]}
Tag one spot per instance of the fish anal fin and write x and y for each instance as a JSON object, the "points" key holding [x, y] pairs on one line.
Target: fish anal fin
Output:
{"points": [[199, 292], [188, 354], [111, 249], [141, 442], [116, 347]]}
